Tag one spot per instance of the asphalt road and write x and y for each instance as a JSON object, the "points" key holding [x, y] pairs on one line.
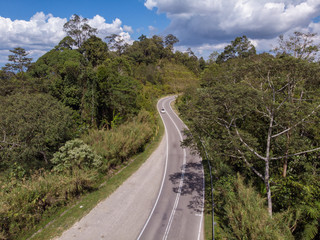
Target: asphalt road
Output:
{"points": [[177, 213], [162, 200]]}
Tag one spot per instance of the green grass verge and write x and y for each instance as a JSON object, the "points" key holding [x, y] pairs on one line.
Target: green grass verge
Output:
{"points": [[207, 226], [207, 206], [56, 224]]}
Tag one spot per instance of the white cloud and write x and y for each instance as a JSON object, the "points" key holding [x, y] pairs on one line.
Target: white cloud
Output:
{"points": [[150, 4], [152, 28], [128, 29], [196, 22], [42, 32], [4, 57]]}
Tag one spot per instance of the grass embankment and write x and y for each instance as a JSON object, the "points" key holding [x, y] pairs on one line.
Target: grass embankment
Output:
{"points": [[53, 202], [178, 77]]}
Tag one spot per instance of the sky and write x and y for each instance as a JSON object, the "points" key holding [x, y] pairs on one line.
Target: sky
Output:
{"points": [[203, 25]]}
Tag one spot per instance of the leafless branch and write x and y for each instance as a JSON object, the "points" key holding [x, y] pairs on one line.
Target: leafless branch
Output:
{"points": [[288, 129], [263, 113], [250, 165], [250, 148], [296, 154]]}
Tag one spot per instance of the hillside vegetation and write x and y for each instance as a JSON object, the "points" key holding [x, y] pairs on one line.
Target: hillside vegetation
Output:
{"points": [[70, 119], [87, 107], [257, 116]]}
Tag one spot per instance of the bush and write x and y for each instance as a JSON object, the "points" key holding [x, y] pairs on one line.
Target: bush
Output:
{"points": [[24, 203], [245, 216], [75, 154], [33, 127], [119, 144]]}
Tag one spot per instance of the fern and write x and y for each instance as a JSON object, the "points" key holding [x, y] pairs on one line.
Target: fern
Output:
{"points": [[311, 230]]}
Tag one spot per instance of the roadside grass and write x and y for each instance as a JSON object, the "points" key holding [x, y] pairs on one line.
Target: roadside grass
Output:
{"points": [[208, 203], [207, 226], [57, 223]]}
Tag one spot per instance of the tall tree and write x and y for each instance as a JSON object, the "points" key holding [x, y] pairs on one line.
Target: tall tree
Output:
{"points": [[94, 50], [241, 47], [246, 119], [32, 128], [66, 44], [299, 45], [78, 28], [170, 40], [116, 43], [19, 59]]}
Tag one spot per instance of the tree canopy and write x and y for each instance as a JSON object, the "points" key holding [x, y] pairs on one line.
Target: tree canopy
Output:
{"points": [[240, 47], [19, 59], [78, 28]]}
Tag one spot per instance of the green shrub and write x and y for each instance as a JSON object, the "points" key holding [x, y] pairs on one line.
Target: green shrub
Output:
{"points": [[24, 203], [244, 215], [75, 154], [119, 144], [34, 126]]}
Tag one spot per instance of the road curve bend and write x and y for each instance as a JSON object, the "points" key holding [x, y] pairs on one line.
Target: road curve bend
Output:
{"points": [[178, 209], [163, 200]]}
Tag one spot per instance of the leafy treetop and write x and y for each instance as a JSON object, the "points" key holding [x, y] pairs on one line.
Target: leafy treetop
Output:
{"points": [[78, 28]]}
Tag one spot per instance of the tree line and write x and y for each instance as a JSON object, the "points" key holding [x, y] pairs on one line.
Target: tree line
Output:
{"points": [[78, 112], [257, 115]]}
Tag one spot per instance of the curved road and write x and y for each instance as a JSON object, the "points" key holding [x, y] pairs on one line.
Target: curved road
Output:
{"points": [[162, 200], [177, 213]]}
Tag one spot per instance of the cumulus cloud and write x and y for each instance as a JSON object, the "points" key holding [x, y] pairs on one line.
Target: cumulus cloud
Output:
{"points": [[128, 29], [42, 32], [39, 32], [196, 22]]}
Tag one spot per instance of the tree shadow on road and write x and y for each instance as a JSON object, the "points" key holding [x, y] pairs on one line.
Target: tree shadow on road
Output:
{"points": [[192, 185]]}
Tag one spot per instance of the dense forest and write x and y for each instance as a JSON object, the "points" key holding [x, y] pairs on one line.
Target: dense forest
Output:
{"points": [[88, 105], [255, 118], [76, 114]]}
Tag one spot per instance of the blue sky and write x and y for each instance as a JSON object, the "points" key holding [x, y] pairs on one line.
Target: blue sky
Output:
{"points": [[203, 25], [130, 12]]}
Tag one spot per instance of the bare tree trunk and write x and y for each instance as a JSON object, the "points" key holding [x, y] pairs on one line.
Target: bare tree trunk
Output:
{"points": [[285, 160], [267, 173], [92, 105], [267, 183]]}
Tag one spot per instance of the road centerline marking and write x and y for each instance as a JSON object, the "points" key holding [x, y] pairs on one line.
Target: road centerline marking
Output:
{"points": [[162, 183]]}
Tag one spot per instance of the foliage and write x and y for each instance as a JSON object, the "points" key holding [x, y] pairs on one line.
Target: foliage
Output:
{"points": [[32, 128], [300, 45], [243, 215], [241, 47], [24, 203], [116, 42], [259, 116], [178, 77], [19, 60], [119, 144], [51, 64], [79, 87], [78, 28], [170, 40], [94, 50], [75, 154]]}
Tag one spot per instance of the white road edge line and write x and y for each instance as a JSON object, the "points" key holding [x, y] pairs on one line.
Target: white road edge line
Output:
{"points": [[201, 219], [163, 178], [181, 180], [203, 193]]}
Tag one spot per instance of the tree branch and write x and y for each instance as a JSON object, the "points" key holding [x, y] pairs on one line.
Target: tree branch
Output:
{"points": [[296, 154], [250, 165], [288, 129], [250, 148]]}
